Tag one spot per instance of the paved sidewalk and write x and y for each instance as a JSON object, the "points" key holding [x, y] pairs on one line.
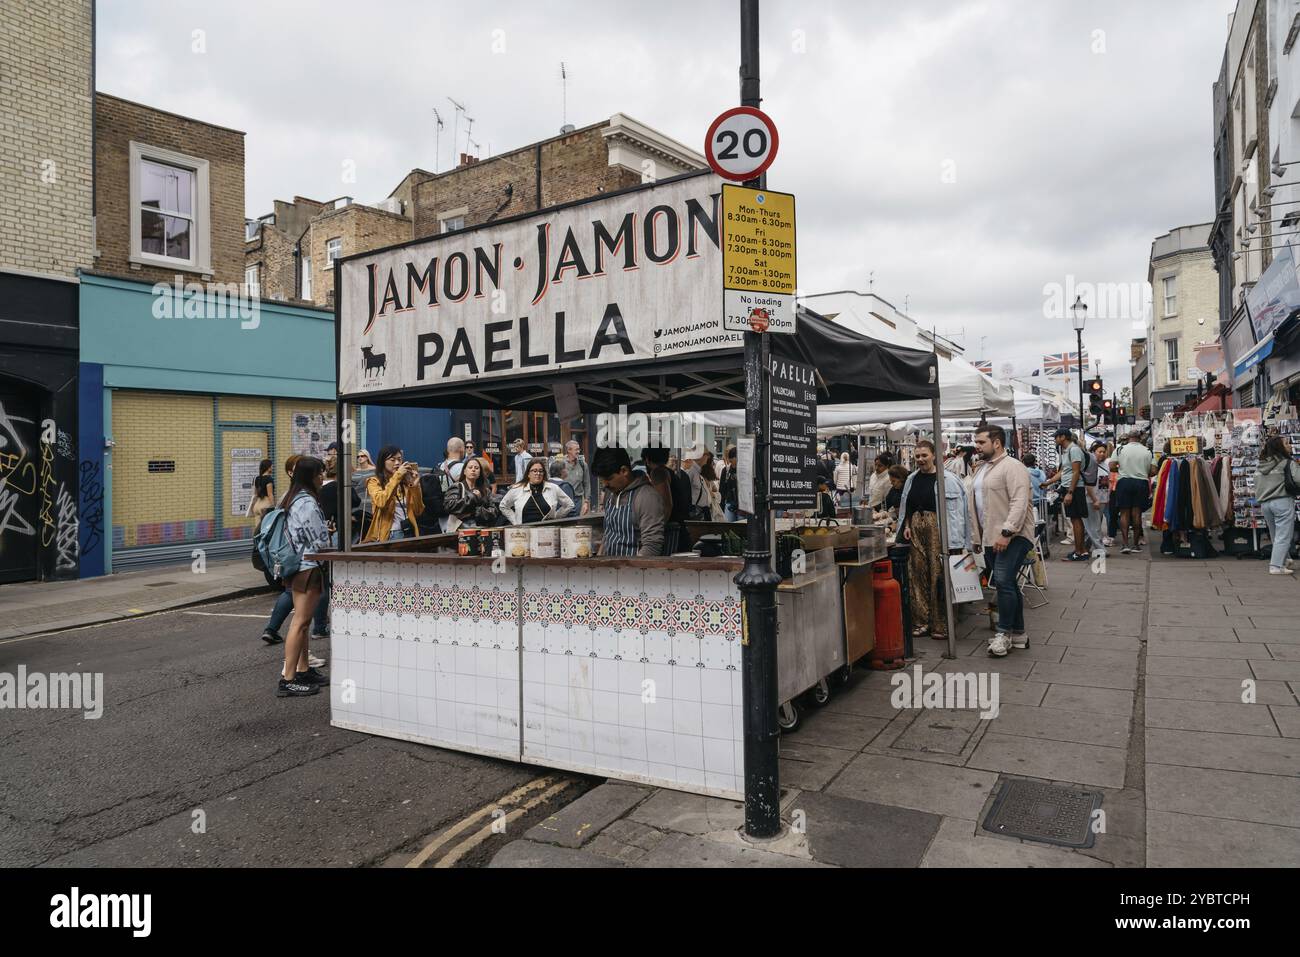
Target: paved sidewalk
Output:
{"points": [[31, 608], [1138, 683]]}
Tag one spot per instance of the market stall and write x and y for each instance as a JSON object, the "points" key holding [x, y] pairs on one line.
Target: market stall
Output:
{"points": [[627, 667]]}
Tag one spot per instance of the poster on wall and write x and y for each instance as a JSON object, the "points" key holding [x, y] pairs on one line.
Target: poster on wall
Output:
{"points": [[619, 279], [312, 431], [243, 473]]}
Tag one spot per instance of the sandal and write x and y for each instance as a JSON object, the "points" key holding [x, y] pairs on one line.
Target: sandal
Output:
{"points": [[920, 632], [939, 637]]}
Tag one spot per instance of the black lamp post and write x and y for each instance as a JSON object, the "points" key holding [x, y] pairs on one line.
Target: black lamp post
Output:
{"points": [[1079, 316]]}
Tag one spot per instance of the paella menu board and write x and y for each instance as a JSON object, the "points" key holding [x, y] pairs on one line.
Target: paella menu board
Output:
{"points": [[794, 435]]}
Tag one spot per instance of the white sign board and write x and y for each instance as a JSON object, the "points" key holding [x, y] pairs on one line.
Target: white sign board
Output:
{"points": [[628, 278], [243, 473], [745, 473]]}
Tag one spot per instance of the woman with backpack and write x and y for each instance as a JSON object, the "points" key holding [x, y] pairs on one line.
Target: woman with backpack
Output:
{"points": [[1277, 482], [284, 603], [394, 491], [468, 500], [535, 499], [307, 532]]}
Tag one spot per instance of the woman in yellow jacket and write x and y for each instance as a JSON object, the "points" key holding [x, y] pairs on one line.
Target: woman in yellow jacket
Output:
{"points": [[394, 492]]}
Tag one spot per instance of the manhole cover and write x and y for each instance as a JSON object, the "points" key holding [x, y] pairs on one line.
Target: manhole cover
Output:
{"points": [[1051, 813]]}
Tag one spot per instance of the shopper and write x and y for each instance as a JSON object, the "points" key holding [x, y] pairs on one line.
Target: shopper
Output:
{"points": [[520, 458], [846, 477], [329, 506], [263, 492], [308, 533], [729, 488], [1098, 493], [454, 462], [559, 473], [1001, 509], [535, 499], [918, 520], [709, 475], [1132, 490], [361, 516], [674, 488], [634, 513], [469, 499], [1069, 476], [1036, 476], [897, 476], [878, 487], [1275, 471], [579, 476], [394, 492], [283, 606], [698, 510]]}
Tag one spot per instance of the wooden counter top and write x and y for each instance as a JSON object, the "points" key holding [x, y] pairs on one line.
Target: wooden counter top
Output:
{"points": [[419, 558]]}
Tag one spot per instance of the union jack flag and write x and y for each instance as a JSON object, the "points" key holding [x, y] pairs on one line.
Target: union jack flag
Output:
{"points": [[984, 365], [1063, 363]]}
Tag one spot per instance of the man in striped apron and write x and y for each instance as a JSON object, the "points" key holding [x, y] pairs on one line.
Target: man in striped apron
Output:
{"points": [[634, 511]]}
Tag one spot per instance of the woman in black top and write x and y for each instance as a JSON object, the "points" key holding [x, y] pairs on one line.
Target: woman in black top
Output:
{"points": [[897, 476], [469, 499]]}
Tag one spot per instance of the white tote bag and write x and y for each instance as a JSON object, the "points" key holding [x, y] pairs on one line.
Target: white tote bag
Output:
{"points": [[965, 575]]}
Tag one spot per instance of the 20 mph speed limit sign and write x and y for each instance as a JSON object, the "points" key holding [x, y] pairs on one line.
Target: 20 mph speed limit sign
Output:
{"points": [[741, 143]]}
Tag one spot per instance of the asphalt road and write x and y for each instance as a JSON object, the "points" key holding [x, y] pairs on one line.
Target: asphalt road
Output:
{"points": [[191, 724]]}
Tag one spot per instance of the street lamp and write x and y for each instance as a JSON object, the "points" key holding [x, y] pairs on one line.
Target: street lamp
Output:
{"points": [[1079, 316]]}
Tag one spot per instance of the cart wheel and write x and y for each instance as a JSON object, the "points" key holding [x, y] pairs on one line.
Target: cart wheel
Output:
{"points": [[840, 676], [820, 694], [789, 717]]}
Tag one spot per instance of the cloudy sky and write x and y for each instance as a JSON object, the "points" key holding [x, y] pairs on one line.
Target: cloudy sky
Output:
{"points": [[963, 154]]}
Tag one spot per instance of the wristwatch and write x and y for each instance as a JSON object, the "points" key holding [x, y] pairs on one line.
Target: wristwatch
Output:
{"points": [[1008, 533]]}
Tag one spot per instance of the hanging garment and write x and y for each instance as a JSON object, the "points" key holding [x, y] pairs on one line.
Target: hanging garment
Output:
{"points": [[1158, 502], [1171, 496], [1199, 479], [1223, 488], [1186, 519]]}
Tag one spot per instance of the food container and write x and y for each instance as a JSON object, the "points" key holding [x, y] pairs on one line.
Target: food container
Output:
{"points": [[467, 542], [544, 542], [575, 541], [517, 541], [486, 540]]}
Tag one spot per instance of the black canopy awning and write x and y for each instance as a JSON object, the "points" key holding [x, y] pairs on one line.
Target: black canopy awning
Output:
{"points": [[852, 368]]}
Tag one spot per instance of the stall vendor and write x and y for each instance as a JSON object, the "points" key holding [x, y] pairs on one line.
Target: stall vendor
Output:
{"points": [[634, 512]]}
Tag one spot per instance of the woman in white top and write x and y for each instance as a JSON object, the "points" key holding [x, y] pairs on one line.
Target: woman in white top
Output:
{"points": [[846, 477], [535, 499]]}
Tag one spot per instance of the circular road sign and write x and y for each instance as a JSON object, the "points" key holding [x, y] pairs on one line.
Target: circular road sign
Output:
{"points": [[741, 143]]}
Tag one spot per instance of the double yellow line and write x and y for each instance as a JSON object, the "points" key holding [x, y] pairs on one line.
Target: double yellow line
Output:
{"points": [[551, 788]]}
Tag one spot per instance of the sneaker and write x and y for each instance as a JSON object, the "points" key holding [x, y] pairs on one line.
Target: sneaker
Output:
{"points": [[1108, 541], [271, 636], [314, 661], [1076, 557], [998, 645], [1126, 550], [1020, 642], [295, 689], [1281, 571], [1067, 541], [317, 636], [311, 677]]}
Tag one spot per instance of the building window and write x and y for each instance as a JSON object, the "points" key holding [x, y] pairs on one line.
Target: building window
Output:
{"points": [[306, 276], [250, 279], [1171, 295], [333, 250], [452, 219], [169, 214], [1171, 359]]}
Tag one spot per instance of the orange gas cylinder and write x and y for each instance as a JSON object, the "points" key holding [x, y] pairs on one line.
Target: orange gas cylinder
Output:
{"points": [[888, 653]]}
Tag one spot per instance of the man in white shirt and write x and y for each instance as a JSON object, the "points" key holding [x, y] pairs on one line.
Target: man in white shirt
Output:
{"points": [[1135, 467]]}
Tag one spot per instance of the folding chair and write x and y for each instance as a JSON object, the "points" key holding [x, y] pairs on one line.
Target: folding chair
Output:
{"points": [[1025, 577]]}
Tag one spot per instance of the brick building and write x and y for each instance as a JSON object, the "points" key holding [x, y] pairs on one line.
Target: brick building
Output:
{"points": [[189, 379], [575, 164], [1185, 310], [46, 236]]}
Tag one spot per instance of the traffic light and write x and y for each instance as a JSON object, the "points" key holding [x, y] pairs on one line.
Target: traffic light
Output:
{"points": [[1107, 412], [1095, 398]]}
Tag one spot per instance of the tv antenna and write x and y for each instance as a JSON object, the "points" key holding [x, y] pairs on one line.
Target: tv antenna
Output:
{"points": [[871, 283], [437, 138], [564, 95], [469, 125], [455, 130]]}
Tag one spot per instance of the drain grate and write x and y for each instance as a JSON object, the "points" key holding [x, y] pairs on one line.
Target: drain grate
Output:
{"points": [[1051, 813]]}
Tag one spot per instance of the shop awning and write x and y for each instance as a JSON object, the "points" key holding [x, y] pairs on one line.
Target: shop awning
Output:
{"points": [[852, 368], [1254, 357]]}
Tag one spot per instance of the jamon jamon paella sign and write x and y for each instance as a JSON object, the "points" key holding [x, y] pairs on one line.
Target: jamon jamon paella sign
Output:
{"points": [[630, 277]]}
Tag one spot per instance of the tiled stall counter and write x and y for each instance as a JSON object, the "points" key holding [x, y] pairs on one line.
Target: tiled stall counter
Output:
{"points": [[625, 668]]}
